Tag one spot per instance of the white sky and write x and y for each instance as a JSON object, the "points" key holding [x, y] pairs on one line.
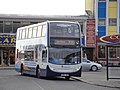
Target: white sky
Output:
{"points": [[43, 7]]}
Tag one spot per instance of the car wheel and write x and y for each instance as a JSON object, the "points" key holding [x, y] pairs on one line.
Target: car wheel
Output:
{"points": [[94, 68]]}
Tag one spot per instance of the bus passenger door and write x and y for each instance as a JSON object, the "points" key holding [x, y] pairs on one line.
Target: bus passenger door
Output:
{"points": [[44, 59]]}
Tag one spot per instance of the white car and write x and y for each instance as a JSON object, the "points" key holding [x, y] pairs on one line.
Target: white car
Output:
{"points": [[89, 65]]}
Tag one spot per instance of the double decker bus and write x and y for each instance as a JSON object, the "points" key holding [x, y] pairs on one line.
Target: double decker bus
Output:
{"points": [[49, 49]]}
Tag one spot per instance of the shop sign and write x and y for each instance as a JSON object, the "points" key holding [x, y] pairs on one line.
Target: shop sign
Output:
{"points": [[7, 39], [111, 38], [90, 33]]}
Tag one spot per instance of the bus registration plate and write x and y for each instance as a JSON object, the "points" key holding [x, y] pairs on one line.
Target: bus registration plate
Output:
{"points": [[64, 74]]}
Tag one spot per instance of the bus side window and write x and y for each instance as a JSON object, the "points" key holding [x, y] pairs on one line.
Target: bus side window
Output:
{"points": [[44, 30], [39, 31], [44, 55]]}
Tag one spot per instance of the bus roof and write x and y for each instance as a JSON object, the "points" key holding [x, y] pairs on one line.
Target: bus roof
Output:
{"points": [[32, 25]]}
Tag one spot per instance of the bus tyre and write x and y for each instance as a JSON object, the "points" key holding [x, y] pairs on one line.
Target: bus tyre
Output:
{"points": [[37, 72], [67, 78], [21, 69]]}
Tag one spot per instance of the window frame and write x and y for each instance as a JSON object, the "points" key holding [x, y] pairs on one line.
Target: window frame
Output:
{"points": [[102, 22], [112, 21], [1, 26], [112, 52], [102, 50]]}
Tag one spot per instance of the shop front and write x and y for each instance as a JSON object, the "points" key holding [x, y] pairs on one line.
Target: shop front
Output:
{"points": [[90, 39], [7, 49], [114, 52]]}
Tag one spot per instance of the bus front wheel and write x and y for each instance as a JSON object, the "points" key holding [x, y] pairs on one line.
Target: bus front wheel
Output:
{"points": [[38, 72]]}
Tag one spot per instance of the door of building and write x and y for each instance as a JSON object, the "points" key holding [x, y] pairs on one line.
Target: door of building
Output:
{"points": [[6, 57], [12, 57]]}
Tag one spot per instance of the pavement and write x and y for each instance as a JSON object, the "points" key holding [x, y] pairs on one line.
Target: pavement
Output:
{"points": [[97, 78], [7, 67]]}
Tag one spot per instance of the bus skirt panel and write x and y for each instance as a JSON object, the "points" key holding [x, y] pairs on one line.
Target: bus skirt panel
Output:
{"points": [[49, 73]]}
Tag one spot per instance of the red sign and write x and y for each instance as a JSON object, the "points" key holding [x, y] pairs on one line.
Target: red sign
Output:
{"points": [[90, 33], [111, 38]]}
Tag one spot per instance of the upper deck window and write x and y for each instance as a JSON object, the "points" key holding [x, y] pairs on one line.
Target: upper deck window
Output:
{"points": [[34, 31], [60, 29], [30, 33], [44, 30], [39, 31], [23, 34]]}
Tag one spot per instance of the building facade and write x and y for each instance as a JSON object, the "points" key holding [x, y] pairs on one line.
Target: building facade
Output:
{"points": [[8, 27], [107, 18]]}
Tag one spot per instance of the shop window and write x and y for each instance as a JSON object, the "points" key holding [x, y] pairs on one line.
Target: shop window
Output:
{"points": [[1, 28], [112, 52], [12, 57], [8, 27], [25, 23], [16, 25], [101, 51]]}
